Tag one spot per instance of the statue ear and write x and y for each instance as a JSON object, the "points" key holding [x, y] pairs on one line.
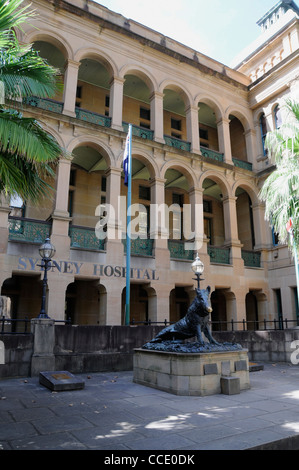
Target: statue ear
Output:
{"points": [[209, 289]]}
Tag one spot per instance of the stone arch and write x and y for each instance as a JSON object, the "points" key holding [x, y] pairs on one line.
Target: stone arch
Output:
{"points": [[142, 74], [95, 143], [178, 88], [219, 179], [211, 102], [53, 133], [241, 115], [98, 56], [183, 168], [249, 187], [55, 39]]}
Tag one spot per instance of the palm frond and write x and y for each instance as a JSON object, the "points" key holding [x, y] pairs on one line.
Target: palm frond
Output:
{"points": [[25, 178], [24, 73], [11, 16], [26, 137]]}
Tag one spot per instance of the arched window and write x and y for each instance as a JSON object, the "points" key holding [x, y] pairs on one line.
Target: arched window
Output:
{"points": [[263, 126], [277, 117]]}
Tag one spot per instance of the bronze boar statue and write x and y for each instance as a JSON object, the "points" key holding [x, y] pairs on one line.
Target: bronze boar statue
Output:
{"points": [[193, 324]]}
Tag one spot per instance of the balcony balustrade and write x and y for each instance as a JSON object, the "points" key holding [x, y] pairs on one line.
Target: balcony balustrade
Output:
{"points": [[93, 118], [140, 246], [137, 131], [252, 259], [85, 238], [219, 255], [28, 230], [44, 103], [178, 251], [177, 143], [242, 164], [212, 154]]}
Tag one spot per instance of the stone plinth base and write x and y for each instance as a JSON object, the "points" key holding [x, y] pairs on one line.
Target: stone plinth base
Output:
{"points": [[196, 374]]}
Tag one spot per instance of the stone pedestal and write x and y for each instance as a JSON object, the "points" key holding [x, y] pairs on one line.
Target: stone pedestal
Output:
{"points": [[196, 374], [43, 357]]}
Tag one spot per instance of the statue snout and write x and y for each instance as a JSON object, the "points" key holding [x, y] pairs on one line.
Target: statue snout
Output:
{"points": [[209, 309]]}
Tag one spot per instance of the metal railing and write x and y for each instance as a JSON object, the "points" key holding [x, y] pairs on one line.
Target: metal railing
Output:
{"points": [[85, 238], [233, 325], [28, 230], [13, 326]]}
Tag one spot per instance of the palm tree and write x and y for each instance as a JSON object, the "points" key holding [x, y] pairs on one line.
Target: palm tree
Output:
{"points": [[28, 154], [281, 189]]}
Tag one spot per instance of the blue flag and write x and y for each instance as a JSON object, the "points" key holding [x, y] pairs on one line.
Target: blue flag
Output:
{"points": [[127, 157]]}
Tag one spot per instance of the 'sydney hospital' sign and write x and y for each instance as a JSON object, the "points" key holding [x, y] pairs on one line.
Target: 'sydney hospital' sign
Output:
{"points": [[98, 270]]}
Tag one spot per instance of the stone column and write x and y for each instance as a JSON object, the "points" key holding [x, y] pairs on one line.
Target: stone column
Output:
{"points": [[262, 234], [251, 148], [4, 232], [240, 309], [224, 140], [57, 286], [259, 144], [114, 245], [70, 87], [193, 128], [156, 100], [60, 217], [196, 213], [231, 228], [43, 358], [158, 228], [116, 103], [160, 312], [114, 299]]}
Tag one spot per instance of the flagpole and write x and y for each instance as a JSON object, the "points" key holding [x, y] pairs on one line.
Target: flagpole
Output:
{"points": [[129, 201], [297, 274], [290, 230]]}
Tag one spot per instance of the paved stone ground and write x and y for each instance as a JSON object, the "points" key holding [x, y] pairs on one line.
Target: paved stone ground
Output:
{"points": [[113, 413]]}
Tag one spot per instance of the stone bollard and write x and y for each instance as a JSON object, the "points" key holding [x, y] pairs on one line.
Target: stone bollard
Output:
{"points": [[43, 358]]}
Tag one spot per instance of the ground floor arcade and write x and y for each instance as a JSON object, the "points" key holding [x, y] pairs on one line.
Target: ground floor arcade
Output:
{"points": [[90, 289]]}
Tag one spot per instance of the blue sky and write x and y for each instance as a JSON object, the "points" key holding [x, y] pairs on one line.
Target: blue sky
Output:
{"points": [[218, 28]]}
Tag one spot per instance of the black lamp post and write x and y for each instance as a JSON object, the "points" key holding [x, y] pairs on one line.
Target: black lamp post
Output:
{"points": [[198, 268], [46, 251]]}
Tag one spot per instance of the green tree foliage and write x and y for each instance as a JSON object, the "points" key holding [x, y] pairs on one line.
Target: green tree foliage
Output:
{"points": [[280, 191], [28, 154]]}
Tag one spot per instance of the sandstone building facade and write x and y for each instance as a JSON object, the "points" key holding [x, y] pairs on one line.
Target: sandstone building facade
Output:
{"points": [[198, 131]]}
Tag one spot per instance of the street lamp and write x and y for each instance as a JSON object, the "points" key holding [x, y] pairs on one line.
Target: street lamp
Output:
{"points": [[46, 251], [198, 268]]}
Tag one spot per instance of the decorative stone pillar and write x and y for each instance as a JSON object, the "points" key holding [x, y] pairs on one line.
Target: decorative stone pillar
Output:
{"points": [[114, 313], [259, 144], [156, 101], [262, 234], [43, 358], [251, 148], [224, 140], [193, 128], [116, 103], [196, 213], [158, 223], [231, 228], [70, 87], [57, 286], [114, 245], [60, 217], [4, 232], [161, 311]]}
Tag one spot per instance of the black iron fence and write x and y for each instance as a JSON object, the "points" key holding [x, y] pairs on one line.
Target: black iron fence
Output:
{"points": [[233, 325], [20, 325]]}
